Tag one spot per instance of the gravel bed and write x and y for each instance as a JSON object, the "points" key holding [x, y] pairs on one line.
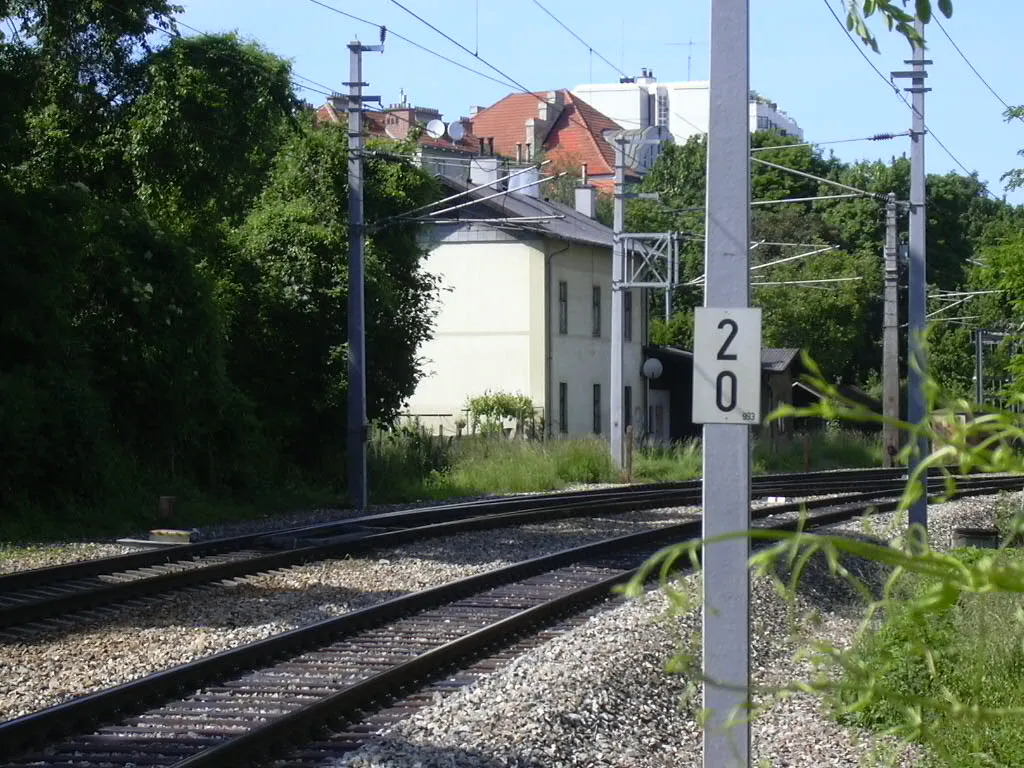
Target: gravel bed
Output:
{"points": [[598, 695], [186, 625], [17, 558]]}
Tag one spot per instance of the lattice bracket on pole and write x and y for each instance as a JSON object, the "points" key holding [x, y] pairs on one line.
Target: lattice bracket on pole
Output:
{"points": [[652, 259]]}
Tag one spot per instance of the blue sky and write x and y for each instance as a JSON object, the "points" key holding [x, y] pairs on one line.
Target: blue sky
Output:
{"points": [[800, 58]]}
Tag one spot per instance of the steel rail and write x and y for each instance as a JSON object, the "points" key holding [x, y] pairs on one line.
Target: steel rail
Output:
{"points": [[281, 732], [112, 704], [72, 602], [178, 553]]}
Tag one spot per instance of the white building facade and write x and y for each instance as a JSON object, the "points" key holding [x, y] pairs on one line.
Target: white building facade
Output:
{"points": [[527, 310], [682, 108]]}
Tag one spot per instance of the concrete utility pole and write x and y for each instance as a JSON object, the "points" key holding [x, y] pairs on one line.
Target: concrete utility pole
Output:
{"points": [[979, 366], [727, 458], [358, 427], [917, 408], [618, 309], [890, 338]]}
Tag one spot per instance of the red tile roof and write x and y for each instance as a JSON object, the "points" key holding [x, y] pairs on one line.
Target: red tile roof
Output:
{"points": [[374, 123], [576, 134]]}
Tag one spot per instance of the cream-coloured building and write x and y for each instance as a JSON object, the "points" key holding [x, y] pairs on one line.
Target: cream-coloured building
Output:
{"points": [[525, 308]]}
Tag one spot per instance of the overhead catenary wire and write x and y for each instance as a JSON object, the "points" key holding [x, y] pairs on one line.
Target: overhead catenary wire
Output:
{"points": [[975, 71], [588, 46], [515, 83], [413, 43], [177, 35], [496, 194], [875, 137], [902, 97]]}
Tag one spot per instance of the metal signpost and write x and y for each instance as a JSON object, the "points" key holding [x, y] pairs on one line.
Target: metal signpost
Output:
{"points": [[358, 428], [727, 390], [639, 260]]}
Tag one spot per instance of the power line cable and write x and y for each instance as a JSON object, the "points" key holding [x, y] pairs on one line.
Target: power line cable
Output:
{"points": [[589, 47], [975, 71], [902, 97], [452, 40], [410, 42], [477, 56], [177, 35]]}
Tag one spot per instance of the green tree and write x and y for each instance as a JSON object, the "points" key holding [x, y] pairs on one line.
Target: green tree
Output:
{"points": [[202, 133], [289, 293]]}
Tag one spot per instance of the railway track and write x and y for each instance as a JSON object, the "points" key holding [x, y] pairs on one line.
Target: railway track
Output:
{"points": [[249, 704], [54, 598]]}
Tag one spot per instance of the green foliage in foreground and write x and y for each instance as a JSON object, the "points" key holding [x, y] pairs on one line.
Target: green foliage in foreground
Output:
{"points": [[942, 663], [938, 659]]}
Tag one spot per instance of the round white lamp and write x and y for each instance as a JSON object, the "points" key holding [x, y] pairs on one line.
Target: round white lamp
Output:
{"points": [[652, 368]]}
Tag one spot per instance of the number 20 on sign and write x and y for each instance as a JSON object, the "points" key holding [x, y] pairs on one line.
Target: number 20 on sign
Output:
{"points": [[727, 366]]}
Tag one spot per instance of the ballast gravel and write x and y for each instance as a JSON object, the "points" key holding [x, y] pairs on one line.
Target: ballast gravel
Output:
{"points": [[599, 695], [15, 558], [96, 653], [596, 696]]}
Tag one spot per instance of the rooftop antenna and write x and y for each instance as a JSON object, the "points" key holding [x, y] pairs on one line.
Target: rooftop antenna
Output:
{"points": [[689, 56]]}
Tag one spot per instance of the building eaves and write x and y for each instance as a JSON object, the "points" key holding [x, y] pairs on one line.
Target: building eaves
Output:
{"points": [[570, 226], [777, 359]]}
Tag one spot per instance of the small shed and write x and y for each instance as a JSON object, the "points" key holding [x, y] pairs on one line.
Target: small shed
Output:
{"points": [[804, 396], [670, 395]]}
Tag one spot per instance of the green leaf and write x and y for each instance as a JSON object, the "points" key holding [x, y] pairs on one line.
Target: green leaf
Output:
{"points": [[924, 10]]}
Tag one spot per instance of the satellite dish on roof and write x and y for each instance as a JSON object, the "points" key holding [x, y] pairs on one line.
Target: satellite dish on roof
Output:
{"points": [[392, 132], [456, 131], [435, 129]]}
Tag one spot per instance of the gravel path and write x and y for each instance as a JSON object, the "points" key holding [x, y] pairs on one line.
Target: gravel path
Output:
{"points": [[189, 624], [598, 695]]}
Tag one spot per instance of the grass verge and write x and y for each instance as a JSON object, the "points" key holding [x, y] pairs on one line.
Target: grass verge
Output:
{"points": [[409, 465]]}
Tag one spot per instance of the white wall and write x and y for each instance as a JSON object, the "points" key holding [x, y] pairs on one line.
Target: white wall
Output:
{"points": [[688, 104], [489, 330], [625, 103], [577, 357], [490, 333]]}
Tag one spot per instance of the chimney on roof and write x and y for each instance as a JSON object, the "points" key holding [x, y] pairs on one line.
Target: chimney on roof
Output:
{"points": [[486, 170], [548, 111], [519, 152], [523, 183], [475, 110], [586, 200]]}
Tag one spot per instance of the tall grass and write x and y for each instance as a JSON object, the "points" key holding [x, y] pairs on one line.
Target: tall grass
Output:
{"points": [[831, 448], [970, 653], [411, 464]]}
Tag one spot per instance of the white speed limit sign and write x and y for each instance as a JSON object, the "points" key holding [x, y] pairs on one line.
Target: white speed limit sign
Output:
{"points": [[727, 366]]}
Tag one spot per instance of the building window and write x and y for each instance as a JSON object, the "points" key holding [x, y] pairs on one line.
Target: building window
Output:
{"points": [[596, 311], [662, 110], [563, 307], [597, 409], [563, 407], [627, 316], [627, 407]]}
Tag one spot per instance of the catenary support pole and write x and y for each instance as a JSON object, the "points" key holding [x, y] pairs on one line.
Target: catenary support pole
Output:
{"points": [[979, 366], [727, 459], [917, 411], [890, 338], [615, 430], [357, 424]]}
